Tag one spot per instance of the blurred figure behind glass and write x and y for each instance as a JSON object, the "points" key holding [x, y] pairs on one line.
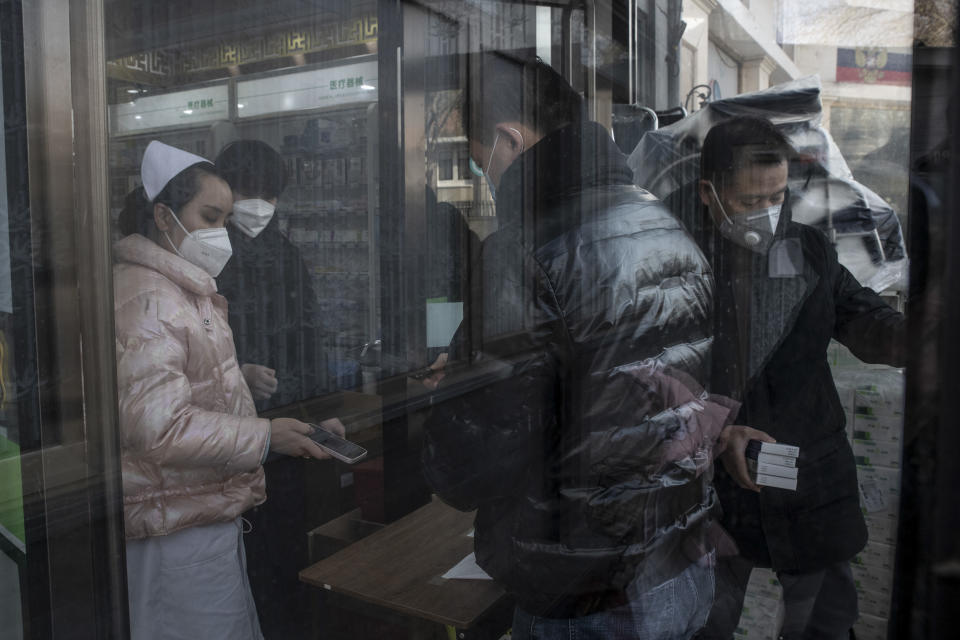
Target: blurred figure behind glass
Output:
{"points": [[271, 311], [589, 455], [272, 303]]}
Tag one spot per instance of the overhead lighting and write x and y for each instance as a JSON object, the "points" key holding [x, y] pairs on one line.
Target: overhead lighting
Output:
{"points": [[368, 87], [133, 91], [138, 117], [188, 111], [240, 105]]}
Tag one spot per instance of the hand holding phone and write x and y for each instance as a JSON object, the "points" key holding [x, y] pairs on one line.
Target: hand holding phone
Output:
{"points": [[338, 447], [431, 376]]}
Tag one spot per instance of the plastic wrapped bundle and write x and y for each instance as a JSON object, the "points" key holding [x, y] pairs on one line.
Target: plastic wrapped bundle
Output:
{"points": [[823, 192]]}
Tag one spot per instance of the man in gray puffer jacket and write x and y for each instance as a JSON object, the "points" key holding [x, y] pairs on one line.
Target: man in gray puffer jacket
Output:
{"points": [[576, 425]]}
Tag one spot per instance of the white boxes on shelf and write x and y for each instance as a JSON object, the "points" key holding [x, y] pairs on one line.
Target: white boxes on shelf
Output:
{"points": [[870, 627], [879, 491], [877, 428], [762, 614], [873, 453], [872, 400]]}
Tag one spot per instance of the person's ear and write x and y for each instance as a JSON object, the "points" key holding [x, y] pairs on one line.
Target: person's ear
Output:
{"points": [[706, 193], [161, 217], [514, 139]]}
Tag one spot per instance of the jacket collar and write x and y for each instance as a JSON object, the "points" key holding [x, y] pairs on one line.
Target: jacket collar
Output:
{"points": [[559, 167], [765, 308], [136, 249]]}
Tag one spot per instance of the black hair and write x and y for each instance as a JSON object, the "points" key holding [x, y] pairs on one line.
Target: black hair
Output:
{"points": [[740, 142], [252, 168], [137, 213], [514, 86]]}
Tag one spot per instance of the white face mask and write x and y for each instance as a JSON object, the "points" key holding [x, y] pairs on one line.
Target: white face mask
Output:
{"points": [[209, 249], [753, 230], [252, 216]]}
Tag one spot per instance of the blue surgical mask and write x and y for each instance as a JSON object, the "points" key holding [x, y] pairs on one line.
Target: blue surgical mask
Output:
{"points": [[486, 173], [480, 173], [477, 171], [474, 169]]}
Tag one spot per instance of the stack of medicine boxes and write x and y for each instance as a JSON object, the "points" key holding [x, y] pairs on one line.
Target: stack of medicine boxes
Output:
{"points": [[872, 397], [773, 464]]}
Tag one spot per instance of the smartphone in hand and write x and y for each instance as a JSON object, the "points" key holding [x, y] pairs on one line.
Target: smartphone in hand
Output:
{"points": [[338, 447]]}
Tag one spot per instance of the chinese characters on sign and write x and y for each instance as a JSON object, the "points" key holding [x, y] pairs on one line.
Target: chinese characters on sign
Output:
{"points": [[171, 109], [348, 83], [179, 62], [206, 103], [314, 89]]}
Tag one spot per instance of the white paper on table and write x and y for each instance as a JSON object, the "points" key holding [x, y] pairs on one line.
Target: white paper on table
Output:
{"points": [[443, 319], [467, 569]]}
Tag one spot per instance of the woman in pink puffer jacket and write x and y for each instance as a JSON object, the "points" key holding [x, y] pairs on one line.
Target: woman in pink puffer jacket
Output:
{"points": [[192, 445]]}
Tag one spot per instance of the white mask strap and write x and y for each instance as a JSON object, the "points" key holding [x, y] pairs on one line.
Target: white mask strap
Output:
{"points": [[719, 204], [496, 139], [492, 149], [167, 235]]}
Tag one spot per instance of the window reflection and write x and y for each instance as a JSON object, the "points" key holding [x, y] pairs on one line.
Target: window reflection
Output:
{"points": [[558, 267]]}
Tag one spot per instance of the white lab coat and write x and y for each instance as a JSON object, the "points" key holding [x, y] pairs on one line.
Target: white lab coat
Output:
{"points": [[191, 584]]}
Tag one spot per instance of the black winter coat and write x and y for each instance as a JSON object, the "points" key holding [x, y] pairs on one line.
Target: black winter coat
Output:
{"points": [[272, 311], [788, 391], [588, 451]]}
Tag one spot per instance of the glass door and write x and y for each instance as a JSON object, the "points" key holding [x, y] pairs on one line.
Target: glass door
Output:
{"points": [[60, 500]]}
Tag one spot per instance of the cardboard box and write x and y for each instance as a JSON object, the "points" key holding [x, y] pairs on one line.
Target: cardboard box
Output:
{"points": [[880, 392], [875, 579], [874, 603], [778, 470], [879, 491], [878, 428], [763, 584], [876, 556], [881, 529], [870, 627], [776, 448], [749, 630], [761, 619], [846, 380], [780, 461], [758, 624], [776, 482], [869, 453]]}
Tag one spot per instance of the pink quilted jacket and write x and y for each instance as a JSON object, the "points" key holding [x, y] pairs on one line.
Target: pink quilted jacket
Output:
{"points": [[190, 439]]}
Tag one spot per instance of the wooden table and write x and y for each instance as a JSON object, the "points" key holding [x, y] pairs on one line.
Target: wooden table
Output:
{"points": [[400, 567]]}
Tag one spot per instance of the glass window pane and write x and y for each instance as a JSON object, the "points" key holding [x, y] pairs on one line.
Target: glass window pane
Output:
{"points": [[445, 318], [445, 165]]}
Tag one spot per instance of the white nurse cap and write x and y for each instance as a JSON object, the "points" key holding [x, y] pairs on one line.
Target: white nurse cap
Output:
{"points": [[161, 163]]}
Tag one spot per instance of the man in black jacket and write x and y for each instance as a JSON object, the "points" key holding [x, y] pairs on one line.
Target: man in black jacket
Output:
{"points": [[579, 431], [272, 303], [781, 295], [272, 312]]}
